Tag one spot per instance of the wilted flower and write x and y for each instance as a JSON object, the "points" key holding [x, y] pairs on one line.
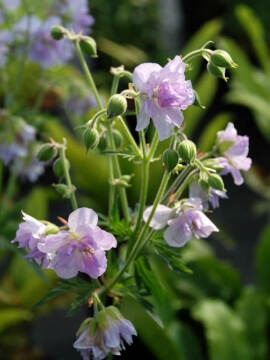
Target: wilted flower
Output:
{"points": [[103, 335], [31, 232], [165, 92], [80, 248], [195, 191], [184, 222], [234, 150]]}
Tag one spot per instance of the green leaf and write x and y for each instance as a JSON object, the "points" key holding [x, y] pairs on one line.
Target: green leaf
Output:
{"points": [[255, 31], [262, 257], [12, 316], [209, 134], [153, 335], [225, 331], [252, 310]]}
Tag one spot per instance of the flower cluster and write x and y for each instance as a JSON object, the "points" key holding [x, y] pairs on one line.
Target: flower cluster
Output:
{"points": [[35, 31], [103, 335], [79, 247], [185, 221]]}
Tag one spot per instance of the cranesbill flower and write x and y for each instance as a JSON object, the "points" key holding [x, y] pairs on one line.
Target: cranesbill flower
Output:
{"points": [[195, 191], [31, 232], [103, 335], [80, 248], [234, 150], [184, 222], [165, 93]]}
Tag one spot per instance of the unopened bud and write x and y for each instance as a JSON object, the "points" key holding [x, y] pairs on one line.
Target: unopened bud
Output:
{"points": [[89, 46], [90, 138], [65, 190], [216, 182], [57, 32], [102, 145], [117, 106], [217, 71], [170, 159], [223, 59], [187, 151], [58, 167], [46, 152], [118, 139]]}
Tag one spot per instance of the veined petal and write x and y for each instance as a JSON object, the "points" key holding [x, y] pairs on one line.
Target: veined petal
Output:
{"points": [[80, 217], [143, 118], [160, 218]]}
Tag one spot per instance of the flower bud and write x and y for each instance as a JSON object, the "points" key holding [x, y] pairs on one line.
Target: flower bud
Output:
{"points": [[187, 151], [65, 190], [46, 152], [223, 59], [58, 167], [89, 46], [57, 32], [102, 145], [117, 106], [118, 139], [217, 71], [90, 138], [216, 182], [170, 159]]}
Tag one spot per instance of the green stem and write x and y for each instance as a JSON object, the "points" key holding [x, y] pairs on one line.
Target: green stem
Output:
{"points": [[88, 75], [144, 184], [139, 243], [195, 53], [67, 176], [130, 137], [153, 147], [177, 181], [185, 182], [117, 170]]}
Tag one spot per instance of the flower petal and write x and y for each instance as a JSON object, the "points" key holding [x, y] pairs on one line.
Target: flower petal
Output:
{"points": [[178, 232], [143, 118], [80, 217], [160, 218]]}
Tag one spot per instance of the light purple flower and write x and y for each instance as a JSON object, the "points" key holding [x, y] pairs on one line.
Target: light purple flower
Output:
{"points": [[184, 222], [45, 50], [195, 191], [29, 167], [11, 4], [76, 15], [234, 157], [106, 334], [79, 106], [9, 152], [30, 234], [165, 92], [81, 248]]}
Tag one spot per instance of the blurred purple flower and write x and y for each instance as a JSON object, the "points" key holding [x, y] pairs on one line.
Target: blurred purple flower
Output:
{"points": [[81, 248], [165, 92], [29, 235], [234, 154], [75, 15], [11, 4], [195, 191], [79, 106], [29, 167], [104, 335]]}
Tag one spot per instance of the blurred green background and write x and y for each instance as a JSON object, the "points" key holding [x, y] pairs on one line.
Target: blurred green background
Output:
{"points": [[221, 311]]}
